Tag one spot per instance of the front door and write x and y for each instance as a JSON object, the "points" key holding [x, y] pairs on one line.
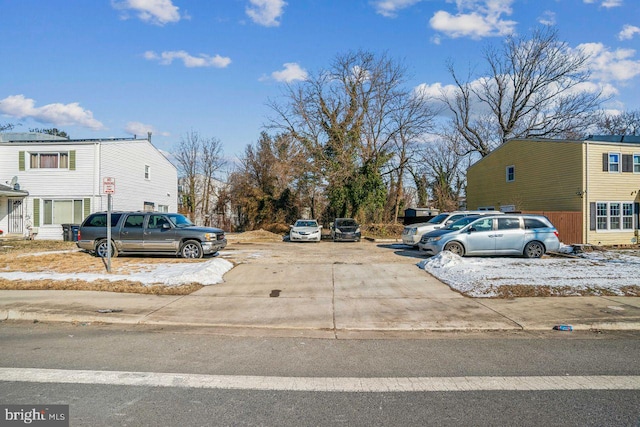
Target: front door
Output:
{"points": [[159, 234], [15, 216]]}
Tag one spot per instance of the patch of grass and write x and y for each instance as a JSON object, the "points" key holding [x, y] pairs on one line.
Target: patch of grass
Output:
{"points": [[524, 291], [98, 285], [33, 256]]}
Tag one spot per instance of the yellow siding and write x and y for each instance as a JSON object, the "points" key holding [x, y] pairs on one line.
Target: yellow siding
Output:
{"points": [[548, 176], [609, 187]]}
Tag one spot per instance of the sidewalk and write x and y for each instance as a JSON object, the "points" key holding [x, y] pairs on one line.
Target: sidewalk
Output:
{"points": [[324, 301]]}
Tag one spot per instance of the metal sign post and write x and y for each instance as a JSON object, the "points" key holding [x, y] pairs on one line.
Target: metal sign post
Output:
{"points": [[109, 187]]}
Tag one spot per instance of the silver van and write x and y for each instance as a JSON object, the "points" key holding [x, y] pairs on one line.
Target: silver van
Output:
{"points": [[528, 235], [411, 234]]}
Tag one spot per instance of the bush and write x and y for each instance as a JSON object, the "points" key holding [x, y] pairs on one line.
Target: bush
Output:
{"points": [[382, 231], [277, 228]]}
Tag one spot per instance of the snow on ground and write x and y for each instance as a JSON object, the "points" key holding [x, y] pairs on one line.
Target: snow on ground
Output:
{"points": [[205, 273], [479, 277]]}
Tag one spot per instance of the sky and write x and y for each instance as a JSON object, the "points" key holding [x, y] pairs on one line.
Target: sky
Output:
{"points": [[118, 68]]}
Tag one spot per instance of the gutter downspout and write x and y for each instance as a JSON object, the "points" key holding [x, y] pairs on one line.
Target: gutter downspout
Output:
{"points": [[586, 198]]}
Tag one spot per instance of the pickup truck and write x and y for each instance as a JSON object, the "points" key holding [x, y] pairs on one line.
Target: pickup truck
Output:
{"points": [[148, 232]]}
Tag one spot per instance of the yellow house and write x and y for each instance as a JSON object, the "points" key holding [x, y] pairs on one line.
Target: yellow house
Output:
{"points": [[589, 189]]}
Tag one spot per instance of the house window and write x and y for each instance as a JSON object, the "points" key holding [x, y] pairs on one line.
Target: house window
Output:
{"points": [[636, 163], [163, 208], [614, 216], [49, 160], [149, 206], [63, 212], [147, 172], [614, 162], [511, 173]]}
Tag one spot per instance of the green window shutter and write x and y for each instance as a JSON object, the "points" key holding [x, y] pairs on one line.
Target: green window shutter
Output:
{"points": [[72, 160], [21, 160], [87, 207], [36, 212]]}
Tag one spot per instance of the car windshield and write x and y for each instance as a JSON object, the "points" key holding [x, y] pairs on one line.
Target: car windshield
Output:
{"points": [[439, 219], [346, 223], [461, 223], [179, 220], [306, 224]]}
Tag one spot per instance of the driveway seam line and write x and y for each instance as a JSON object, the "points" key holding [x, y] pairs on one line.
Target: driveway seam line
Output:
{"points": [[501, 314], [333, 299]]}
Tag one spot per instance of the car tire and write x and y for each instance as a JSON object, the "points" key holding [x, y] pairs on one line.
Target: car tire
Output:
{"points": [[534, 250], [191, 249], [455, 247], [101, 248]]}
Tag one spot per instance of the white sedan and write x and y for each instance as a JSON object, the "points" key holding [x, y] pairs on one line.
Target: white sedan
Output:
{"points": [[305, 230]]}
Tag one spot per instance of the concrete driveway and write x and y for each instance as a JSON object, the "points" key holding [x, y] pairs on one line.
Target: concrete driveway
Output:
{"points": [[331, 287]]}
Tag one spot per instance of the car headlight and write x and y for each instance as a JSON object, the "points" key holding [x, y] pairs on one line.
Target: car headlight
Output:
{"points": [[338, 230], [412, 231], [433, 239], [209, 236], [315, 232], [358, 230]]}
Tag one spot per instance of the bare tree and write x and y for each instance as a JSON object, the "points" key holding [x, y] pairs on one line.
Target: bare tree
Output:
{"points": [[347, 118], [625, 123], [199, 159], [532, 90]]}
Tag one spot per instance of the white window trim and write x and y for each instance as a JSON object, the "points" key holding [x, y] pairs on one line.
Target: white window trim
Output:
{"points": [[507, 173], [621, 218], [619, 163], [147, 172], [633, 162]]}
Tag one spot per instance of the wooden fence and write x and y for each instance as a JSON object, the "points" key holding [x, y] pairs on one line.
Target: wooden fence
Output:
{"points": [[569, 225]]}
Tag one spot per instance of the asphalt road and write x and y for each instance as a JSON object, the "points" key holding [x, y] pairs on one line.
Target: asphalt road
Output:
{"points": [[189, 376]]}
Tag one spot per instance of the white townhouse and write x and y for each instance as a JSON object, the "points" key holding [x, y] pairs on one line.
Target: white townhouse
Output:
{"points": [[47, 182]]}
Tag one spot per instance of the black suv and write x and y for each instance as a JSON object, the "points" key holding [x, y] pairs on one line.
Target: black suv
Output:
{"points": [[149, 232]]}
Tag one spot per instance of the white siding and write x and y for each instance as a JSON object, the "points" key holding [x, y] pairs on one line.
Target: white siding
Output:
{"points": [[123, 160]]}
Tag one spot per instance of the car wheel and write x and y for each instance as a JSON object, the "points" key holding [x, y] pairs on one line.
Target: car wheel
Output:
{"points": [[534, 250], [191, 249], [455, 247], [102, 248]]}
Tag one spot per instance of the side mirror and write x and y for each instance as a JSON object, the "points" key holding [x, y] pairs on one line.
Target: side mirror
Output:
{"points": [[472, 229], [166, 226], [291, 226]]}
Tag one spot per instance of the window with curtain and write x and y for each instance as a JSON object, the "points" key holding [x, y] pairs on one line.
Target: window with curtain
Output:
{"points": [[49, 160]]}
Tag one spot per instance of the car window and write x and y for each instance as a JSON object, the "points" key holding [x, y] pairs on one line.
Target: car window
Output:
{"points": [[346, 223], [100, 220], [531, 223], [461, 222], [484, 224], [306, 224], [508, 223], [438, 219], [134, 221], [157, 221], [180, 220], [454, 218]]}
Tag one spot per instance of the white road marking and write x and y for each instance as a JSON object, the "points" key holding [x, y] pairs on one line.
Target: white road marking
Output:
{"points": [[338, 384]]}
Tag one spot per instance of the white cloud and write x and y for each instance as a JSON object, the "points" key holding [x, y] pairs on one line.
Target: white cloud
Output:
{"points": [[547, 18], [628, 32], [189, 61], [291, 72], [157, 12], [389, 8], [605, 3], [141, 129], [607, 65], [57, 114], [475, 19], [266, 12]]}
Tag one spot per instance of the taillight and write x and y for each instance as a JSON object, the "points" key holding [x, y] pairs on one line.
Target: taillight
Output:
{"points": [[556, 233], [79, 235]]}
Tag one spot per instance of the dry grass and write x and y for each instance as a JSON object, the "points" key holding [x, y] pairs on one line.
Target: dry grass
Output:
{"points": [[45, 256], [523, 291]]}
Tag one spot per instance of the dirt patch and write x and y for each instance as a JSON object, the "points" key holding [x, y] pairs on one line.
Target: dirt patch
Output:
{"points": [[98, 285], [254, 236], [524, 291]]}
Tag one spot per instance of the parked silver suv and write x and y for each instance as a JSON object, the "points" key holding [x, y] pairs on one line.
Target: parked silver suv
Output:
{"points": [[149, 232], [528, 235]]}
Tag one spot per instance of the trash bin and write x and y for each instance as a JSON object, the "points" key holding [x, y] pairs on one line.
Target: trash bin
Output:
{"points": [[74, 232], [66, 232]]}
